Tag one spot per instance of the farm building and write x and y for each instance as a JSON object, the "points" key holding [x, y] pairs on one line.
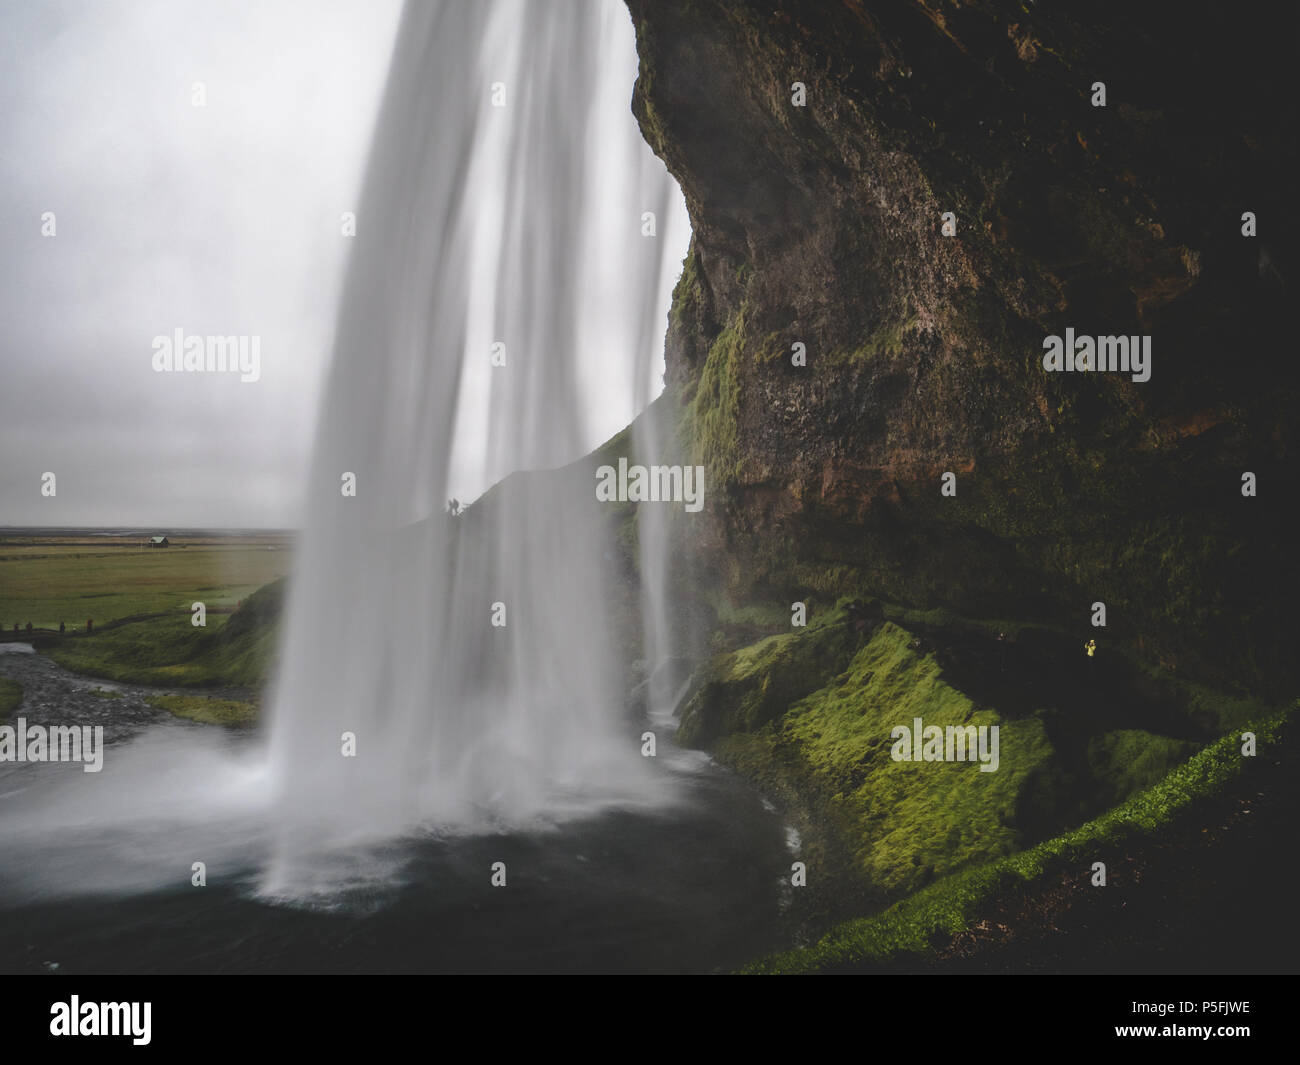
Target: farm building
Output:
{"points": [[159, 541]]}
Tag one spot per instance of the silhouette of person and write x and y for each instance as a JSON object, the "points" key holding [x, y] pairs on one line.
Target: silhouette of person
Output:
{"points": [[62, 627]]}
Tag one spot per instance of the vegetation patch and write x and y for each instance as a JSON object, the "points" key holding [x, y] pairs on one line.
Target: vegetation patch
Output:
{"points": [[712, 418], [229, 713], [902, 822], [935, 913], [888, 341], [169, 651], [745, 689], [1127, 760], [808, 717], [48, 583]]}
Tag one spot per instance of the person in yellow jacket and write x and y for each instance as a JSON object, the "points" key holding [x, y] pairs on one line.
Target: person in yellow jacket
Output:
{"points": [[1090, 647]]}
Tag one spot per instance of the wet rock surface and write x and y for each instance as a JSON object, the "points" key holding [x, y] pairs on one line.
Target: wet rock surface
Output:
{"points": [[822, 225]]}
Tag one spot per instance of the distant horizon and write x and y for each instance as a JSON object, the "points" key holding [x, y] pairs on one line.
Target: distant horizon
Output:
{"points": [[128, 529]]}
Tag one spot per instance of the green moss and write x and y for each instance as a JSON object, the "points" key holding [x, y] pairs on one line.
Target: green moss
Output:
{"points": [[949, 906], [229, 713], [903, 822], [913, 820], [743, 690], [887, 341], [688, 292], [807, 716], [647, 116], [767, 615], [712, 418], [11, 696], [1127, 760]]}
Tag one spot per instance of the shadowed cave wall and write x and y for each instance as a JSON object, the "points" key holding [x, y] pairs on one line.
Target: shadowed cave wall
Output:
{"points": [[821, 225]]}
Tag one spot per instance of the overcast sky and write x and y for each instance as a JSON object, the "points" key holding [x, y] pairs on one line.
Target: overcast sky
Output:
{"points": [[220, 219], [185, 165]]}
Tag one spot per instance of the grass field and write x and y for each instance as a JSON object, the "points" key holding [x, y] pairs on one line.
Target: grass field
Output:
{"points": [[72, 577], [167, 650], [229, 713], [48, 580]]}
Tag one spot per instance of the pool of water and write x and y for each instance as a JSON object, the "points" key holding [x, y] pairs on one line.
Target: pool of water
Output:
{"points": [[96, 870]]}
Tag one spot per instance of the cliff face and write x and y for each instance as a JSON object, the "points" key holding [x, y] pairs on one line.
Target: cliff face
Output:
{"points": [[821, 225]]}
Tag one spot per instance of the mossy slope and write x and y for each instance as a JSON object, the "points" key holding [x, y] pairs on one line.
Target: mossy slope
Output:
{"points": [[809, 716], [237, 649], [912, 926]]}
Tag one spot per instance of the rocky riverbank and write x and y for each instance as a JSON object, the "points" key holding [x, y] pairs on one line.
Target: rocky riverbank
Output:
{"points": [[54, 695]]}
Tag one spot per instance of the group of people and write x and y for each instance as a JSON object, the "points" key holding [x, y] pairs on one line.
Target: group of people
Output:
{"points": [[90, 624]]}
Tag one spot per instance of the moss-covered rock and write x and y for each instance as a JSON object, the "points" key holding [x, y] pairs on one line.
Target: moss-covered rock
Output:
{"points": [[228, 713], [911, 821], [822, 225], [808, 715], [910, 928], [744, 690]]}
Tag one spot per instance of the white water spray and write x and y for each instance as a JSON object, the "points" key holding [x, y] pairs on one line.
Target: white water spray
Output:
{"points": [[521, 225]]}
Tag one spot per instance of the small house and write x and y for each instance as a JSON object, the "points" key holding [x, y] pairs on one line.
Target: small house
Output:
{"points": [[159, 541]]}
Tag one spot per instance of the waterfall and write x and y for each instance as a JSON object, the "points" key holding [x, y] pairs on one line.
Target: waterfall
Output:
{"points": [[501, 220]]}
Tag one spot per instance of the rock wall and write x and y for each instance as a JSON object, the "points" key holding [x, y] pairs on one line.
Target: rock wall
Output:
{"points": [[822, 225]]}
